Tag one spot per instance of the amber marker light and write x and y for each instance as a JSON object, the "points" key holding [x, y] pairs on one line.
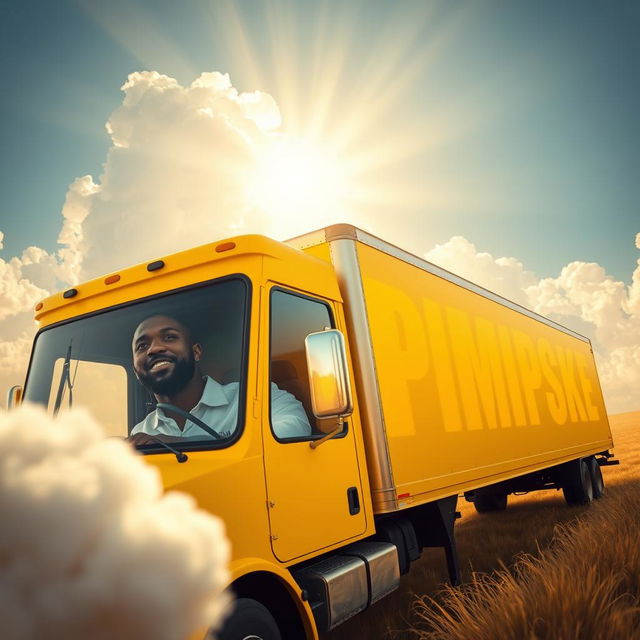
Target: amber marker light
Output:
{"points": [[39, 306], [225, 246], [112, 279]]}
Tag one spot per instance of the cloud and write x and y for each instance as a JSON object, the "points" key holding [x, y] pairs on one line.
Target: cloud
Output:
{"points": [[505, 276], [177, 173], [90, 546], [14, 354], [17, 292], [583, 297]]}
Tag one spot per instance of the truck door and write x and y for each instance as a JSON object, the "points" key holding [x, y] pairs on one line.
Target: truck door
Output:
{"points": [[314, 495]]}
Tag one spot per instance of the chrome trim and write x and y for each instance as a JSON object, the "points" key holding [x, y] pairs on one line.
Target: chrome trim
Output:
{"points": [[336, 353], [318, 237], [345, 261], [14, 396], [337, 588], [383, 567]]}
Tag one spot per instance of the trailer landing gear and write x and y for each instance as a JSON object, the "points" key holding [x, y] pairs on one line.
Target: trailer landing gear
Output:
{"points": [[441, 516]]}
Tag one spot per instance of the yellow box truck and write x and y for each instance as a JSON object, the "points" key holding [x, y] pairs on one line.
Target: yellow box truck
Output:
{"points": [[330, 398]]}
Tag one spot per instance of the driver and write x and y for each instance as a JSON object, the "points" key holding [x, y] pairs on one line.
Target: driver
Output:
{"points": [[165, 360]]}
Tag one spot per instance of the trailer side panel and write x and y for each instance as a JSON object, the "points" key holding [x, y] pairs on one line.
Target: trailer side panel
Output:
{"points": [[473, 391]]}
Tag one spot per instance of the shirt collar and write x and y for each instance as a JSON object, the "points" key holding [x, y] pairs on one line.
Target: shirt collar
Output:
{"points": [[213, 395]]}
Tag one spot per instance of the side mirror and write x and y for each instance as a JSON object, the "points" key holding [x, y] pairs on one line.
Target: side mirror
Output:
{"points": [[14, 397], [328, 374]]}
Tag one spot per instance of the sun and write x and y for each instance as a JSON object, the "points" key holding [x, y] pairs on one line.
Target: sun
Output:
{"points": [[295, 175]]}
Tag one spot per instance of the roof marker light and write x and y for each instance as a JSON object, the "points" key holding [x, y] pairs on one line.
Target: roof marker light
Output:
{"points": [[70, 293], [154, 266], [225, 246], [39, 306], [112, 279]]}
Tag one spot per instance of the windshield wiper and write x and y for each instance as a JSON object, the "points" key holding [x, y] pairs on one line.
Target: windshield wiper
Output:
{"points": [[180, 456], [65, 378]]}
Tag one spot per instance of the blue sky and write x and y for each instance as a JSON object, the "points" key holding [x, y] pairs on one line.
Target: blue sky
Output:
{"points": [[499, 139], [549, 163]]}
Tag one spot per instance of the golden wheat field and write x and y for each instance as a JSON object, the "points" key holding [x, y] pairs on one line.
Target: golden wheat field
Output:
{"points": [[538, 571]]}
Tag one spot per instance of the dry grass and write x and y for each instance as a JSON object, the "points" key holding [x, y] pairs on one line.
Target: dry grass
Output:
{"points": [[581, 578]]}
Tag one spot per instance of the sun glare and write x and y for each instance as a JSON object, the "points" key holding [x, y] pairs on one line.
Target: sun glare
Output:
{"points": [[294, 175], [348, 141]]}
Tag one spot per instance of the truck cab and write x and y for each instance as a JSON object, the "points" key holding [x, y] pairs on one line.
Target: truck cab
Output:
{"points": [[249, 303]]}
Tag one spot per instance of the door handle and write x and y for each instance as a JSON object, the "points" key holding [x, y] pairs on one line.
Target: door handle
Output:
{"points": [[353, 500]]}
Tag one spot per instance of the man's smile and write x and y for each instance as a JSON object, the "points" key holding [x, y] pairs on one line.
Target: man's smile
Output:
{"points": [[160, 364]]}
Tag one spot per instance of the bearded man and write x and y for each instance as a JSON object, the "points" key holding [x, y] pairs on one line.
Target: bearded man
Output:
{"points": [[166, 361]]}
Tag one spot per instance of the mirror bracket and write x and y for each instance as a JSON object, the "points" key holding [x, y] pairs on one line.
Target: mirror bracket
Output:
{"points": [[314, 444]]}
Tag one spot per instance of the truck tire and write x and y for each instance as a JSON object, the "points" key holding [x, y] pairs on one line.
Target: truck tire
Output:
{"points": [[577, 486], [250, 620], [597, 481], [487, 502]]}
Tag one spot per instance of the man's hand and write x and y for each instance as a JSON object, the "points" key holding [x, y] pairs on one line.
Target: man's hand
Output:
{"points": [[141, 438], [145, 438]]}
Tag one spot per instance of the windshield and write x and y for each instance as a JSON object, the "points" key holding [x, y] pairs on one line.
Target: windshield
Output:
{"points": [[89, 362]]}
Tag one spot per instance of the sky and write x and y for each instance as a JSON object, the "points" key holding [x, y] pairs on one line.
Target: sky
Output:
{"points": [[499, 139]]}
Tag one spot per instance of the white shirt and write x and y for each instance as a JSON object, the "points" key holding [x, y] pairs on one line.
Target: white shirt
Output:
{"points": [[218, 408]]}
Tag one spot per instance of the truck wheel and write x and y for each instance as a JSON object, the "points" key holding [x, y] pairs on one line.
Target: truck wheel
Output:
{"points": [[250, 620], [597, 481], [486, 502], [577, 486]]}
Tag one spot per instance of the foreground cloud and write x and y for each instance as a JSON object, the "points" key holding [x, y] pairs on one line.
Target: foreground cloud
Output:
{"points": [[90, 547]]}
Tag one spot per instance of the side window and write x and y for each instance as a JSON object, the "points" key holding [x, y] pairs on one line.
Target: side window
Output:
{"points": [[293, 317]]}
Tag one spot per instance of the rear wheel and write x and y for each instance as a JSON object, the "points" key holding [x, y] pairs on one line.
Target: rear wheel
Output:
{"points": [[250, 620], [597, 481], [487, 502], [577, 486]]}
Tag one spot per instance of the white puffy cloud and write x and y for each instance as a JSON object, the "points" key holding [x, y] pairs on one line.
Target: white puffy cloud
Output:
{"points": [[76, 208], [16, 337], [17, 292], [178, 171], [14, 356], [26, 279], [583, 297], [632, 305], [504, 276], [90, 547]]}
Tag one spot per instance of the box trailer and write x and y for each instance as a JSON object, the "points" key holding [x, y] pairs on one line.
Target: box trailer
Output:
{"points": [[352, 392], [460, 387]]}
